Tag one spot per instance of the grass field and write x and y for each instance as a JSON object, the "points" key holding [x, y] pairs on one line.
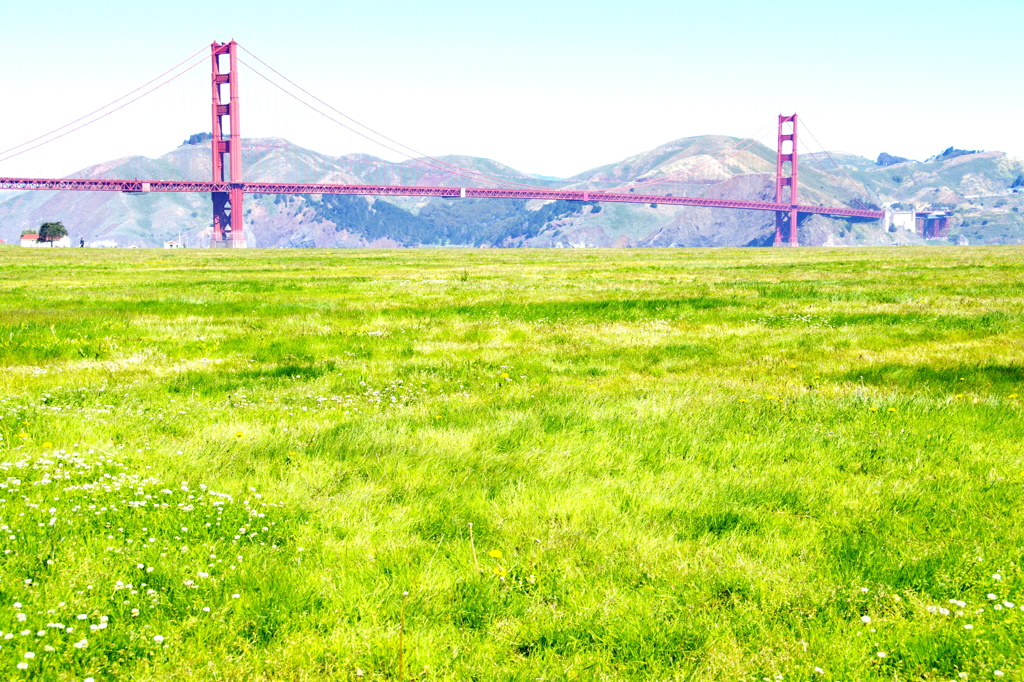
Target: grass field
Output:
{"points": [[598, 465]]}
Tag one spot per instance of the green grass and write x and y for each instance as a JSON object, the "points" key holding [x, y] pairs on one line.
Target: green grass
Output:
{"points": [[599, 465]]}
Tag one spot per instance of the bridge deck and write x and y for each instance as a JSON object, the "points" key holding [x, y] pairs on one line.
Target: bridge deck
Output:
{"points": [[91, 185]]}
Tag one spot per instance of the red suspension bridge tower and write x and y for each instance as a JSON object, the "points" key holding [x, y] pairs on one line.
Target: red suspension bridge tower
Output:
{"points": [[227, 206], [786, 173]]}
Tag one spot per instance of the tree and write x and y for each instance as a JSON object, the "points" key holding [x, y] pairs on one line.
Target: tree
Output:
{"points": [[197, 138], [51, 232]]}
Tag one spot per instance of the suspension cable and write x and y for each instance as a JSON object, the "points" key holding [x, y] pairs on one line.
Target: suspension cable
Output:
{"points": [[363, 135], [829, 173], [803, 122], [101, 117], [446, 165], [106, 106]]}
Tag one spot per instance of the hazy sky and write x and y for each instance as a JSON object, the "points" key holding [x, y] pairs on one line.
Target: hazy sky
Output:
{"points": [[553, 87]]}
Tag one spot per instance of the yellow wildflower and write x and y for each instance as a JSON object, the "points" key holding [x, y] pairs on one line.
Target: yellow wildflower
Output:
{"points": [[495, 554]]}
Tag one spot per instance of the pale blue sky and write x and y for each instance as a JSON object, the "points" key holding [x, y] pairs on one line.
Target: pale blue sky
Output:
{"points": [[550, 87]]}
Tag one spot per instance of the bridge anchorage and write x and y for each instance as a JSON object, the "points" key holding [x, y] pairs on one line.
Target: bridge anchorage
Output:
{"points": [[227, 187]]}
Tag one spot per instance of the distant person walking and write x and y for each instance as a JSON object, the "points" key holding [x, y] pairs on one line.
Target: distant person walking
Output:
{"points": [[81, 243]]}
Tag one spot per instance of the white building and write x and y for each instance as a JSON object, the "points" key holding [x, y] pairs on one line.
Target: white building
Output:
{"points": [[172, 245], [901, 220], [32, 241]]}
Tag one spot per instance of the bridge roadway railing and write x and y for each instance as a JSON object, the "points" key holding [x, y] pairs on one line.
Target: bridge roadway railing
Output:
{"points": [[141, 186]]}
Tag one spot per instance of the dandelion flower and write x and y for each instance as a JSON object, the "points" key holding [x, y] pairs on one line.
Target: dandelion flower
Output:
{"points": [[495, 554]]}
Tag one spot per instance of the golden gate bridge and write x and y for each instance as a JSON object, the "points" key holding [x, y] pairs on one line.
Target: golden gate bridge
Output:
{"points": [[227, 186]]}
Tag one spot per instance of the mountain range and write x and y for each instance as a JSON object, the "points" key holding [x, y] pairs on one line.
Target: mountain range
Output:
{"points": [[984, 191]]}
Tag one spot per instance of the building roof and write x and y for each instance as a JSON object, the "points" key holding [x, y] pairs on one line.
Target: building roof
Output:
{"points": [[34, 237]]}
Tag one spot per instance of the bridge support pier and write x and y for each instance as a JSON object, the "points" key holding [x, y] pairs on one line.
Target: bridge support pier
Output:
{"points": [[228, 231], [785, 228]]}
